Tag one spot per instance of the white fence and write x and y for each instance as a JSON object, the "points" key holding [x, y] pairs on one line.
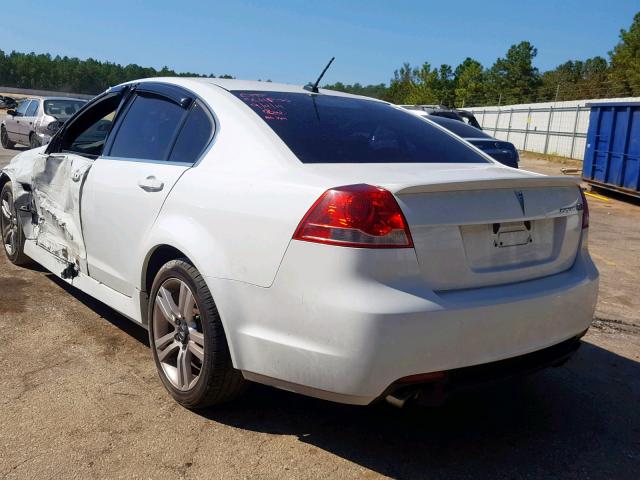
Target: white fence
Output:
{"points": [[554, 128]]}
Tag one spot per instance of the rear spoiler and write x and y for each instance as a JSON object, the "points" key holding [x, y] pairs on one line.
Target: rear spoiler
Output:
{"points": [[487, 184]]}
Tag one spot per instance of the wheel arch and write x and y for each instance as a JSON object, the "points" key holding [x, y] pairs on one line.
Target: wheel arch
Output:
{"points": [[153, 262], [156, 257], [4, 178]]}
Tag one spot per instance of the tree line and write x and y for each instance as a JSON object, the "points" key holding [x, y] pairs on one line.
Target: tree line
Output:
{"points": [[511, 79], [68, 74]]}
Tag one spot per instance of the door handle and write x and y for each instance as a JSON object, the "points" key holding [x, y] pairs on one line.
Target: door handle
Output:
{"points": [[151, 184]]}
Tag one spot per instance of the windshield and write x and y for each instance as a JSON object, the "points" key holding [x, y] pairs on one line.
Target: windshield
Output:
{"points": [[458, 127], [62, 107], [333, 129]]}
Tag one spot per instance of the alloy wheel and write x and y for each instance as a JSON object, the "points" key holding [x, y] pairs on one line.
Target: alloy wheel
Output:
{"points": [[177, 334], [9, 223]]}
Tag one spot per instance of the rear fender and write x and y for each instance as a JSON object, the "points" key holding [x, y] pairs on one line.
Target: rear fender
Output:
{"points": [[202, 250]]}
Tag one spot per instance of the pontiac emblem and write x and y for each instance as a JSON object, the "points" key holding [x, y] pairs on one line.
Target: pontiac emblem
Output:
{"points": [[520, 197]]}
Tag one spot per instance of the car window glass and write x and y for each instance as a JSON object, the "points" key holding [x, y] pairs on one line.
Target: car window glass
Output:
{"points": [[336, 129], [148, 129], [194, 136], [62, 107], [32, 108], [88, 133], [22, 106], [459, 128]]}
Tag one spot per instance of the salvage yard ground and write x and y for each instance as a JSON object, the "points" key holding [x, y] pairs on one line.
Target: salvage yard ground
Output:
{"points": [[80, 398]]}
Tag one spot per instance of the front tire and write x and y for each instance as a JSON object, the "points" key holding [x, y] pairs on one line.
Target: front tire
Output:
{"points": [[4, 139], [10, 228], [187, 339]]}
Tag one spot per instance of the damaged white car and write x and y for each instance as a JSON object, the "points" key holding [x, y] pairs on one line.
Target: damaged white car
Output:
{"points": [[324, 243]]}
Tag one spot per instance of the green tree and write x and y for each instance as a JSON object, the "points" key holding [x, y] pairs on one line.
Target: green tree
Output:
{"points": [[575, 80], [625, 61], [402, 85], [424, 88], [41, 71], [514, 79], [375, 91], [469, 81]]}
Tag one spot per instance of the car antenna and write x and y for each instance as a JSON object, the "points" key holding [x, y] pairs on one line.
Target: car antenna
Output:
{"points": [[314, 87]]}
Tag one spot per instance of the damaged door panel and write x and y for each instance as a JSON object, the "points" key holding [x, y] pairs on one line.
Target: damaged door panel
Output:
{"points": [[56, 191], [58, 178]]}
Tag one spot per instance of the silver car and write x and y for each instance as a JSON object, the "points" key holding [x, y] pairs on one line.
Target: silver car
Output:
{"points": [[35, 120]]}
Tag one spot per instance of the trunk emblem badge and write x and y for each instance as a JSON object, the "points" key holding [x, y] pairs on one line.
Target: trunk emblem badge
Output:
{"points": [[520, 197]]}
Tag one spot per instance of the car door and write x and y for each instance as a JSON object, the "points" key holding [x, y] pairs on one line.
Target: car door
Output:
{"points": [[58, 178], [127, 186], [28, 121], [14, 123]]}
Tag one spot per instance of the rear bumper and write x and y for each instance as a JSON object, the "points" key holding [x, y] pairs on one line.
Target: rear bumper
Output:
{"points": [[343, 327], [435, 391]]}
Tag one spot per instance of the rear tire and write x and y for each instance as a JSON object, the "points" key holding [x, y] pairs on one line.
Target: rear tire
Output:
{"points": [[187, 339], [4, 139], [11, 229]]}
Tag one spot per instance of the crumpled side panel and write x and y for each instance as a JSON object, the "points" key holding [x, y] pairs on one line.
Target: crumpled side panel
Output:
{"points": [[56, 188]]}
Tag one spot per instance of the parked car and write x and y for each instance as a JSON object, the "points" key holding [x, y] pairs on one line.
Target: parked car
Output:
{"points": [[35, 120], [442, 111], [7, 102], [504, 152], [323, 243]]}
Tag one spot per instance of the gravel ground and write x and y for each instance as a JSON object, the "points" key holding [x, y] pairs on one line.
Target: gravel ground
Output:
{"points": [[81, 399]]}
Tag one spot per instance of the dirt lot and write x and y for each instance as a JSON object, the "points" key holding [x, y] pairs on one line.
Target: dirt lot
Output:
{"points": [[80, 399]]}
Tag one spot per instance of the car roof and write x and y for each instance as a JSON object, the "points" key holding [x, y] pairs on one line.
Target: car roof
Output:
{"points": [[250, 85], [471, 132], [62, 98], [439, 119]]}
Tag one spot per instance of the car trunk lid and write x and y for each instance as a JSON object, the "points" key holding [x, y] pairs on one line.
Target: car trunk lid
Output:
{"points": [[491, 232], [459, 214]]}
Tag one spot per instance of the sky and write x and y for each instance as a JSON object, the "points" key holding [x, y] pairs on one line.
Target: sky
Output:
{"points": [[291, 41]]}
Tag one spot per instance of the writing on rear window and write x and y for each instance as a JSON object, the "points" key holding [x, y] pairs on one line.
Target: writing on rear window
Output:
{"points": [[338, 129], [269, 107]]}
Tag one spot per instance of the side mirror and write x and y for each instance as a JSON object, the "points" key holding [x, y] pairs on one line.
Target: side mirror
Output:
{"points": [[11, 112]]}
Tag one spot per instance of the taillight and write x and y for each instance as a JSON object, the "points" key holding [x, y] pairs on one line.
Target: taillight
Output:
{"points": [[585, 210], [356, 216]]}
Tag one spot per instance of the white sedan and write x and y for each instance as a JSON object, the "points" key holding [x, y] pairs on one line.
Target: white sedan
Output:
{"points": [[323, 243]]}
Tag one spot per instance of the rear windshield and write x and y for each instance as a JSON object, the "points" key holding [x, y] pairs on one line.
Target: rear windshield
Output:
{"points": [[458, 127], [64, 108], [332, 129]]}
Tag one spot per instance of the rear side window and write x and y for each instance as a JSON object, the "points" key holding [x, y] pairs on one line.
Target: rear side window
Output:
{"points": [[194, 136], [458, 127], [333, 129], [32, 109], [148, 130], [62, 107], [22, 107]]}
